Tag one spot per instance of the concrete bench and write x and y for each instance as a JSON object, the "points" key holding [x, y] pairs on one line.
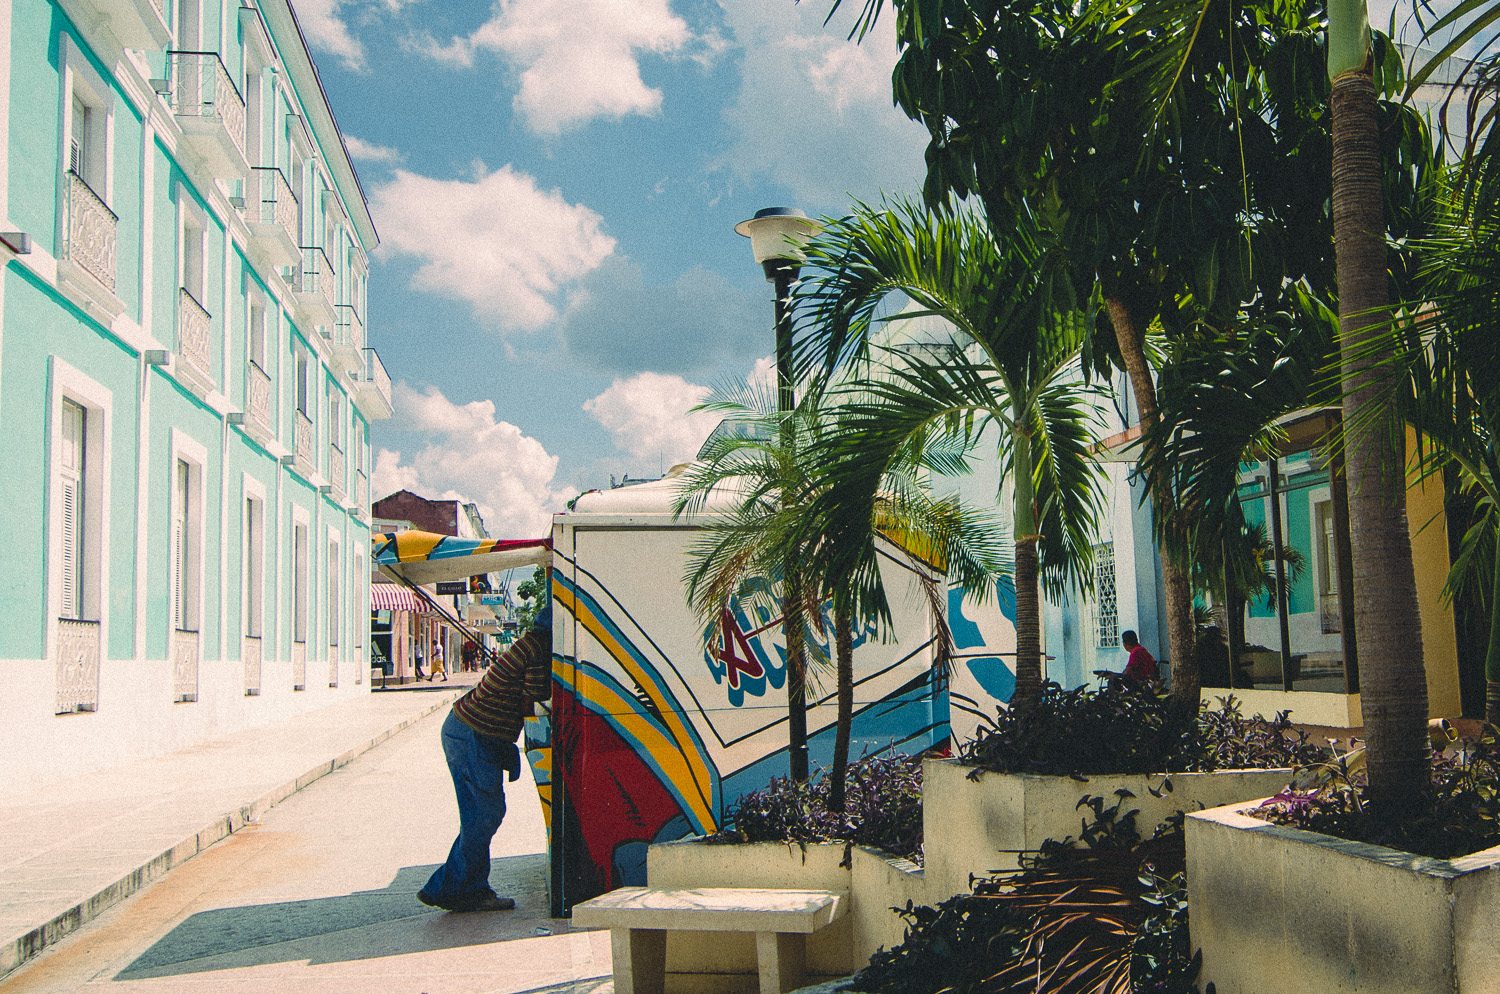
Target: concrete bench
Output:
{"points": [[640, 918]]}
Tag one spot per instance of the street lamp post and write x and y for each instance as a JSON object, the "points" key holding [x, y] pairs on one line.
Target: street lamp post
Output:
{"points": [[777, 235]]}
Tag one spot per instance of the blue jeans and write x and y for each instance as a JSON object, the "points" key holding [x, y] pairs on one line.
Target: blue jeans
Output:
{"points": [[477, 764]]}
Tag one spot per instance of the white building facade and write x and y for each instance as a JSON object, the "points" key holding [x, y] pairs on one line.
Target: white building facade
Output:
{"points": [[185, 388]]}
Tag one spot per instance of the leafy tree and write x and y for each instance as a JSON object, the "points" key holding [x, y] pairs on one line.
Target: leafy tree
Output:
{"points": [[534, 596], [1165, 172], [1007, 363]]}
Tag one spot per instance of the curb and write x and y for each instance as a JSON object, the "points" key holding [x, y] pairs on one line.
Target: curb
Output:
{"points": [[17, 951]]}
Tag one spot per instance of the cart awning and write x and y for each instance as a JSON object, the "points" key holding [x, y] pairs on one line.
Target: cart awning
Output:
{"points": [[391, 597], [423, 557]]}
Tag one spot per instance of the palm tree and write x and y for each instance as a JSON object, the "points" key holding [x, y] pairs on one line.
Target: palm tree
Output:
{"points": [[751, 460], [1004, 369], [1388, 627], [1164, 168], [757, 479], [1441, 370]]}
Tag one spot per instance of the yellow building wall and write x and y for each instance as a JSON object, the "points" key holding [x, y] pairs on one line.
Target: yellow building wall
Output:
{"points": [[1429, 552]]}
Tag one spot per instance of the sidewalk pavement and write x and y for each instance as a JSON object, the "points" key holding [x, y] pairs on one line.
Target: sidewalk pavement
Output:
{"points": [[71, 851]]}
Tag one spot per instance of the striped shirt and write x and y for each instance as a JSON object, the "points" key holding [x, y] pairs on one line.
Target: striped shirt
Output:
{"points": [[501, 701]]}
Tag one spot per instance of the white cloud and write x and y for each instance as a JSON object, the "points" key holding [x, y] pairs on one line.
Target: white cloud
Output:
{"points": [[497, 242], [470, 456], [370, 152], [326, 29], [650, 416], [577, 58], [814, 109], [325, 24]]}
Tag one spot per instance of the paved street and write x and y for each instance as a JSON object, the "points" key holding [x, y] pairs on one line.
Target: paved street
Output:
{"points": [[319, 896]]}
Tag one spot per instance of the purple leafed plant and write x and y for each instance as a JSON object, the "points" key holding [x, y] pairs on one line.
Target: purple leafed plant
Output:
{"points": [[882, 809]]}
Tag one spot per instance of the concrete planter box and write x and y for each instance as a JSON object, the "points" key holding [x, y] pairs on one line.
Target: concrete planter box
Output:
{"points": [[976, 827], [1282, 910], [719, 963]]}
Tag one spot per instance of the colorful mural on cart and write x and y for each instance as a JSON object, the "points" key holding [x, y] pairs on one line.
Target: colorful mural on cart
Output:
{"points": [[643, 760]]}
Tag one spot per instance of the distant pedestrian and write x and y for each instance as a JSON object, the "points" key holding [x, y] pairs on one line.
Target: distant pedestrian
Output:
{"points": [[1141, 667], [438, 666], [420, 658], [479, 742]]}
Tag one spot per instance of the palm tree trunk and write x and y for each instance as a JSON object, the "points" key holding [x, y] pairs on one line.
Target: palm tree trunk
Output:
{"points": [[1388, 627], [843, 637], [1176, 582], [1236, 633], [1028, 625], [794, 632], [1492, 657], [1028, 593]]}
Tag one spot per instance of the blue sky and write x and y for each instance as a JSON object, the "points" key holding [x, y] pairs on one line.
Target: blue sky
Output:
{"points": [[556, 183]]}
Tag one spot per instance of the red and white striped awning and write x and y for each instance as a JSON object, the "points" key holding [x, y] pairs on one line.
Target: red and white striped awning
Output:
{"points": [[391, 597]]}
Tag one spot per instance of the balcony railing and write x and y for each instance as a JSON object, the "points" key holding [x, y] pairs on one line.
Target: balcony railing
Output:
{"points": [[184, 666], [351, 327], [302, 431], [208, 104], [316, 277], [90, 228], [251, 656], [336, 464], [372, 388], [194, 327], [77, 666], [275, 216], [258, 395]]}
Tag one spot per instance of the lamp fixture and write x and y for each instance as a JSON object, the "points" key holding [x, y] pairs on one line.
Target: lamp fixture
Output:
{"points": [[777, 236]]}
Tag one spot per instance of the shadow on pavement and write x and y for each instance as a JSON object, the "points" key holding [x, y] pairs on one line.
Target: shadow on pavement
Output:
{"points": [[362, 925]]}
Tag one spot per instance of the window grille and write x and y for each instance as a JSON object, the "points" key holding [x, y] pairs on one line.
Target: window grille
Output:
{"points": [[1107, 609]]}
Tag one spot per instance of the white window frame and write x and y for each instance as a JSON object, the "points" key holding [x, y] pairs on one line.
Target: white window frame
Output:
{"points": [[253, 561], [304, 365], [67, 383], [255, 301], [192, 226], [301, 554], [336, 407], [79, 80], [359, 619], [334, 590], [186, 449]]}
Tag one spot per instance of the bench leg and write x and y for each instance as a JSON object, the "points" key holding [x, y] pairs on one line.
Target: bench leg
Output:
{"points": [[640, 960], [782, 958]]}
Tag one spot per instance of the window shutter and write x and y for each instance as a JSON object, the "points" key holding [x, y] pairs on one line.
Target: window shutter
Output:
{"points": [[180, 551], [70, 485], [78, 139], [70, 605]]}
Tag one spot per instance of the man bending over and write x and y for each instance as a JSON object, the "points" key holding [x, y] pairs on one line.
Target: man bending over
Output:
{"points": [[479, 742]]}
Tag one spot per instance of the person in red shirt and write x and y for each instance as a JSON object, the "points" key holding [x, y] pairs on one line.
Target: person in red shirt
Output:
{"points": [[1142, 665]]}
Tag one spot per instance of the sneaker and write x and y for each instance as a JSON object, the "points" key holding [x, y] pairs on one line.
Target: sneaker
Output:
{"points": [[484, 902]]}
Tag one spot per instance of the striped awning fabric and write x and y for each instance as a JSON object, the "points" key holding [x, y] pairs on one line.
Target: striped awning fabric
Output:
{"points": [[423, 557], [391, 597]]}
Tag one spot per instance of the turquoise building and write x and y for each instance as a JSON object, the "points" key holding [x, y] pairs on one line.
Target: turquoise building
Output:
{"points": [[185, 388]]}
